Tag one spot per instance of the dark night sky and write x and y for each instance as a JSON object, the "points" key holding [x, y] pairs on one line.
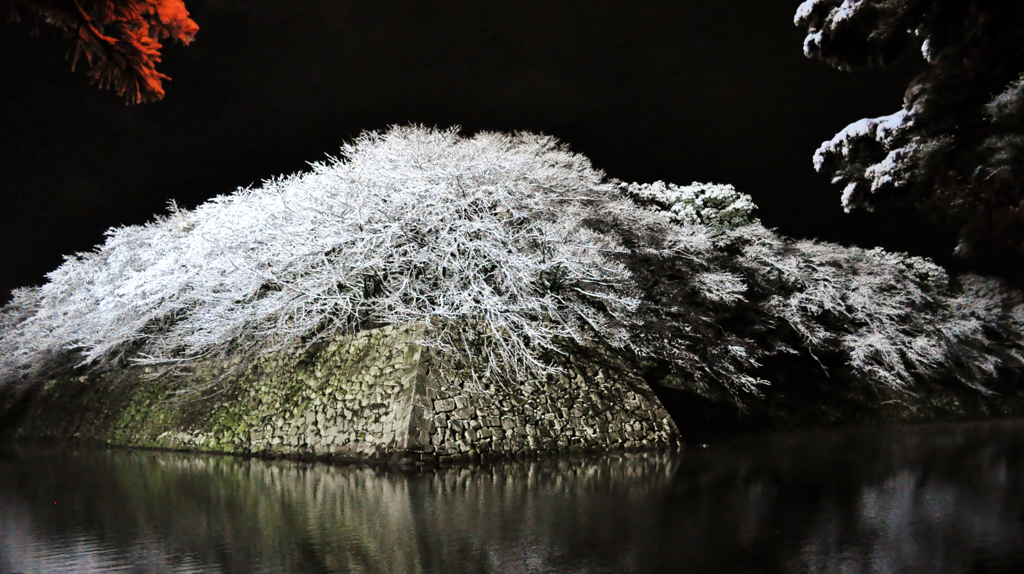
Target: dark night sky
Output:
{"points": [[678, 91]]}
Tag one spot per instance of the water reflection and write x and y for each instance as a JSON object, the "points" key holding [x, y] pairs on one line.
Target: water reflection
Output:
{"points": [[907, 499]]}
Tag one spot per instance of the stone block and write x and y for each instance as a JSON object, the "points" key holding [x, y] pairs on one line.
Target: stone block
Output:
{"points": [[422, 437], [444, 405]]}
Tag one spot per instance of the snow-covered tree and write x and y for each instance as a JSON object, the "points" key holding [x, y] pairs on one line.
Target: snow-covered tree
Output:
{"points": [[956, 149], [509, 248], [413, 224], [119, 40]]}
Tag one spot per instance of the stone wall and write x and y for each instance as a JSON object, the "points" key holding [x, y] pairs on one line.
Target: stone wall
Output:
{"points": [[373, 395]]}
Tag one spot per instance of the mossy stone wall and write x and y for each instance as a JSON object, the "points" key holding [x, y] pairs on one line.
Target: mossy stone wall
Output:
{"points": [[372, 395]]}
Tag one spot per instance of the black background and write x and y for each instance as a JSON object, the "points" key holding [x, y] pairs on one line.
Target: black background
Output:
{"points": [[679, 91]]}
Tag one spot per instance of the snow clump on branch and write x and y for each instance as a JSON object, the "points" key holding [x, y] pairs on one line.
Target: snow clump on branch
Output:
{"points": [[695, 204]]}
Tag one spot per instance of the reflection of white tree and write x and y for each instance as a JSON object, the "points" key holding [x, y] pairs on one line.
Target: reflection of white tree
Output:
{"points": [[912, 523], [25, 548]]}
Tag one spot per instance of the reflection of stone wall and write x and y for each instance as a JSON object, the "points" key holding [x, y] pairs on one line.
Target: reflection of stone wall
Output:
{"points": [[203, 513], [913, 498], [375, 394]]}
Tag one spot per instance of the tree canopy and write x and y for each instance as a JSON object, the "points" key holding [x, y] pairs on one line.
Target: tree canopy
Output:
{"points": [[507, 246], [119, 40], [956, 149]]}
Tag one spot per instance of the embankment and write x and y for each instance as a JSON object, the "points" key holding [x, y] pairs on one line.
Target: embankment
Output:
{"points": [[375, 395]]}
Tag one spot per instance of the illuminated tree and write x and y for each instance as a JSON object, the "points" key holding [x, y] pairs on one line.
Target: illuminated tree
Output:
{"points": [[956, 149], [119, 40], [506, 246]]}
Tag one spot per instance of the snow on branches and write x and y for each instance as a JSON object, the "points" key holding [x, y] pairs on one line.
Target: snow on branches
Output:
{"points": [[506, 247], [954, 150], [851, 34], [413, 224], [697, 203]]}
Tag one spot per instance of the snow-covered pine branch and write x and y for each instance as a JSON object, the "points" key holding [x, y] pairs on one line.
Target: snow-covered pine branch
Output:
{"points": [[954, 149]]}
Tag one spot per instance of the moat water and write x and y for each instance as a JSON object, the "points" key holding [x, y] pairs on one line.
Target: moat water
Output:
{"points": [[925, 498]]}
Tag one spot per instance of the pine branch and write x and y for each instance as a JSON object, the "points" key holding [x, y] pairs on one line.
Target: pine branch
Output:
{"points": [[120, 40]]}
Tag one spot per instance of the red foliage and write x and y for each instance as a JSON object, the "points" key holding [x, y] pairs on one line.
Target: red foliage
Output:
{"points": [[120, 40]]}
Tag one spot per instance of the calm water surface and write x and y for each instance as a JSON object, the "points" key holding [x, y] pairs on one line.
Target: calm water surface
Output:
{"points": [[942, 498]]}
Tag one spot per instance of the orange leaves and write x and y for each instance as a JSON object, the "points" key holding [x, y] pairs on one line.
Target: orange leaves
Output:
{"points": [[120, 40], [174, 21]]}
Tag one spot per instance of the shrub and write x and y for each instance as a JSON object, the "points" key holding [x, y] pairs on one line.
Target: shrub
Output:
{"points": [[695, 204]]}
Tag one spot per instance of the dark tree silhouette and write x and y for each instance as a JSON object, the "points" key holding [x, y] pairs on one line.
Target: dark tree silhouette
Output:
{"points": [[956, 149], [119, 40]]}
